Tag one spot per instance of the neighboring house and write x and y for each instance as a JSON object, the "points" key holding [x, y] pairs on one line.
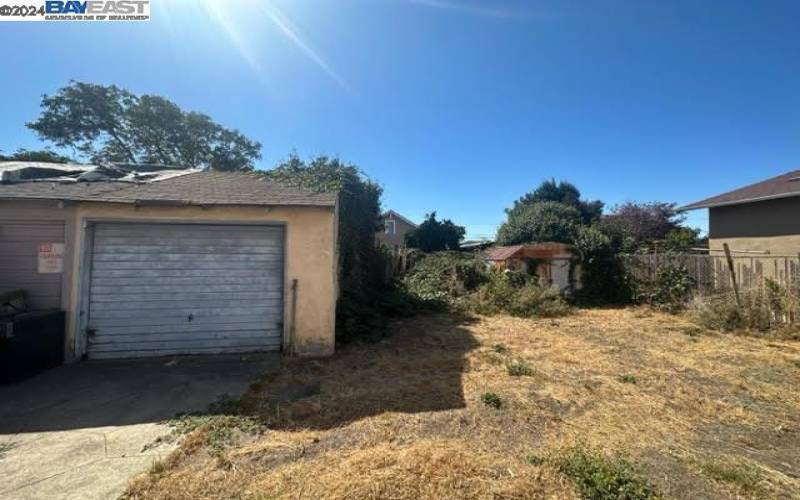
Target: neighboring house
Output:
{"points": [[184, 262], [553, 263], [475, 245], [761, 218], [395, 228]]}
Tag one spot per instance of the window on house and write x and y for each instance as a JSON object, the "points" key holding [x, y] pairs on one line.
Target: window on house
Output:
{"points": [[388, 226]]}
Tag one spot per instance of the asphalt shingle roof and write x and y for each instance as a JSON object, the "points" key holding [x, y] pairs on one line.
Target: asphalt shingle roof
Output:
{"points": [[198, 188], [782, 186]]}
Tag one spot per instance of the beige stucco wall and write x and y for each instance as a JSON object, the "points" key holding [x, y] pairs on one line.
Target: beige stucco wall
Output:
{"points": [[775, 245], [311, 259]]}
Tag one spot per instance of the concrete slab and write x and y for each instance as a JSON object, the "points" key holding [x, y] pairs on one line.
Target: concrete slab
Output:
{"points": [[80, 431]]}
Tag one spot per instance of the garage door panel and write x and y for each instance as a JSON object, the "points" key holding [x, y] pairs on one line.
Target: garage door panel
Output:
{"points": [[181, 351], [193, 259], [20, 262], [197, 313], [199, 338], [187, 305], [147, 321], [144, 289], [193, 239], [186, 249], [181, 273], [160, 289], [187, 296], [187, 230], [190, 347], [19, 246], [183, 328], [175, 266], [31, 231], [265, 282]]}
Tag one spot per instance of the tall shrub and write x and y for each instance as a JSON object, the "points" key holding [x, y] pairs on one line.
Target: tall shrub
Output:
{"points": [[361, 265], [602, 275]]}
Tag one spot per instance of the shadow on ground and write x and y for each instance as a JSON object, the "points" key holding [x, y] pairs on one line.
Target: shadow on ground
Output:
{"points": [[418, 368], [116, 393]]}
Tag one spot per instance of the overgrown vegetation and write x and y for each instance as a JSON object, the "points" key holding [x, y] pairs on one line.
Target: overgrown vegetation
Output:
{"points": [[670, 291], [773, 307], [518, 295], [556, 212], [218, 430], [444, 278], [602, 478], [368, 296], [463, 282]]}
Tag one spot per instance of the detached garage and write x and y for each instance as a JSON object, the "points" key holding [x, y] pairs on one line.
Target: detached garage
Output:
{"points": [[170, 288], [185, 263]]}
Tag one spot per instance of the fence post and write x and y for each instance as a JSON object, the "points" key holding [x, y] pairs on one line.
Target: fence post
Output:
{"points": [[733, 276]]}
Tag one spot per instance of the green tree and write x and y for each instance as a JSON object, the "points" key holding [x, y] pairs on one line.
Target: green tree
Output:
{"points": [[642, 223], [362, 266], [45, 156], [681, 239], [560, 192], [434, 235], [108, 123], [539, 222]]}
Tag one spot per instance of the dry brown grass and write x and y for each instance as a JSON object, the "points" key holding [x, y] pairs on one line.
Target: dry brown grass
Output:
{"points": [[709, 415]]}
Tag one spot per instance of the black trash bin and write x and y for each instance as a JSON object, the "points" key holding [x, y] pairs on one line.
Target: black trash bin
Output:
{"points": [[29, 343]]}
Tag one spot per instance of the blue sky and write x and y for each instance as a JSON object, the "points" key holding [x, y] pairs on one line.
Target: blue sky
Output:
{"points": [[458, 106]]}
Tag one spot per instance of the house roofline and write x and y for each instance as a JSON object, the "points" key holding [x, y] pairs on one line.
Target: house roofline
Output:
{"points": [[400, 217], [699, 205]]}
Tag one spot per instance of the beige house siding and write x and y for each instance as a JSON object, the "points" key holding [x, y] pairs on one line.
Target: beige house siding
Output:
{"points": [[788, 245], [311, 259]]}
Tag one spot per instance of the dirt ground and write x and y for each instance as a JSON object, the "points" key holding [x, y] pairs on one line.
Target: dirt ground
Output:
{"points": [[697, 414]]}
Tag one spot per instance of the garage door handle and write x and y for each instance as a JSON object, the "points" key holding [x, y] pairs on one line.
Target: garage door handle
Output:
{"points": [[91, 332], [190, 317]]}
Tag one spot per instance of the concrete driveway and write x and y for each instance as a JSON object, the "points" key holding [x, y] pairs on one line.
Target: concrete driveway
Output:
{"points": [[80, 431]]}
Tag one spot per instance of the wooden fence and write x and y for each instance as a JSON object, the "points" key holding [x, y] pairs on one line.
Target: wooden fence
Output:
{"points": [[713, 272]]}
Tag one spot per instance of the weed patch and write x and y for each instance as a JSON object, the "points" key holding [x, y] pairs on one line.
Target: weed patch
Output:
{"points": [[738, 474], [6, 447], [220, 429], [491, 399], [600, 478], [627, 378], [502, 349], [519, 369], [535, 460]]}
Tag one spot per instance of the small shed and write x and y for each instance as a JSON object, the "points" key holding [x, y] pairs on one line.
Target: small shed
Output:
{"points": [[553, 263]]}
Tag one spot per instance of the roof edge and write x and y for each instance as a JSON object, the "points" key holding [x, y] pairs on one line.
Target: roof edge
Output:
{"points": [[390, 211], [700, 204]]}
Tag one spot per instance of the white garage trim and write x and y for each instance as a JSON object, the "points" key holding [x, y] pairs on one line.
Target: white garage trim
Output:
{"points": [[164, 287]]}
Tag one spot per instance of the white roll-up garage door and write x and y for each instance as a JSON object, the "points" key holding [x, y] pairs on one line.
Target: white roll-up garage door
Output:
{"points": [[164, 289]]}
